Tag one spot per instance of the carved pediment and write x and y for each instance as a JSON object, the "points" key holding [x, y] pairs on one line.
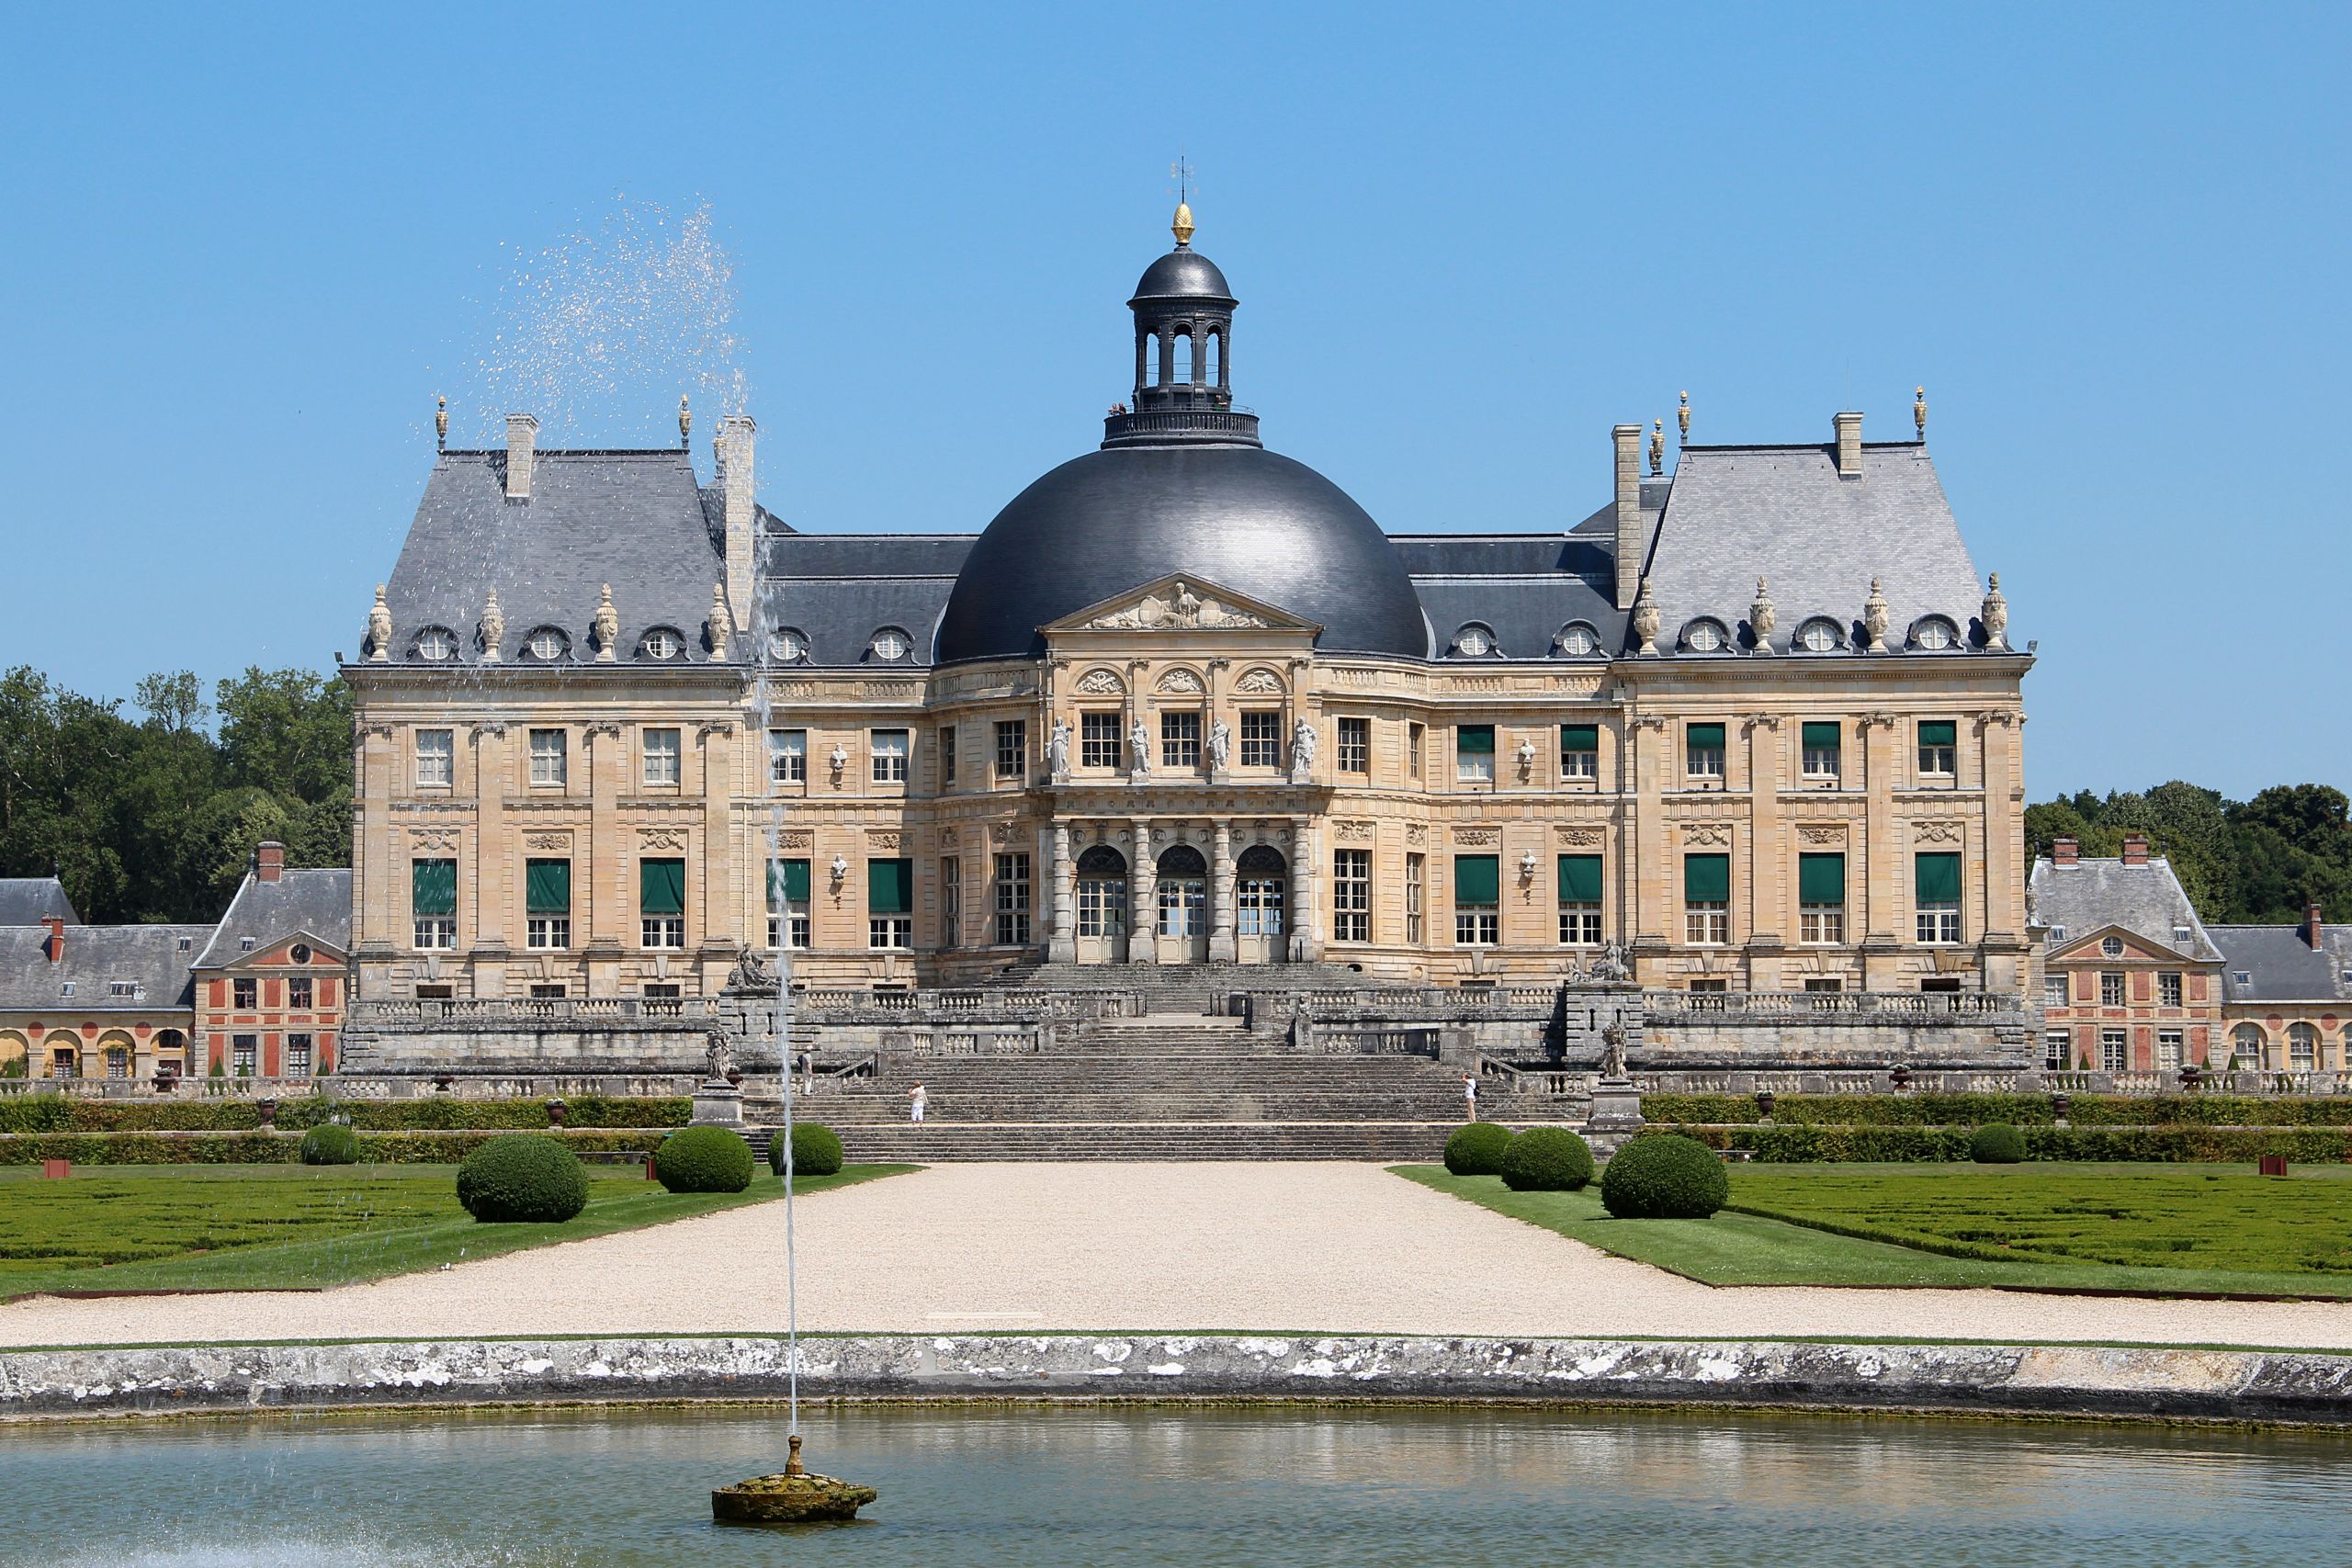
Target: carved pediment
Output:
{"points": [[1181, 602]]}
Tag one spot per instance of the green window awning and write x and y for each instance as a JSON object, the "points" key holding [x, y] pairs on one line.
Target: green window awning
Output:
{"points": [[1704, 736], [1706, 879], [1935, 878], [1477, 879], [1821, 879], [1938, 732], [434, 886], [1579, 879], [1821, 737], [546, 886], [889, 888], [1579, 738], [1474, 739], [790, 879], [661, 887]]}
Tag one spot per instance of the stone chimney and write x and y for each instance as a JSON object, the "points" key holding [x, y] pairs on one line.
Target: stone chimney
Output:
{"points": [[2064, 850], [2312, 924], [522, 446], [2135, 849], [54, 944], [1849, 446], [737, 433], [269, 861], [1630, 537]]}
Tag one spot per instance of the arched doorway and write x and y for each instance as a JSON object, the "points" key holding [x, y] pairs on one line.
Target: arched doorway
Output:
{"points": [[171, 1052], [2246, 1042], [1101, 905], [1183, 932], [1261, 905]]}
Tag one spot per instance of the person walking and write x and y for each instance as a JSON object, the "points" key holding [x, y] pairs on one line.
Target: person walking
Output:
{"points": [[915, 1098], [1470, 1094]]}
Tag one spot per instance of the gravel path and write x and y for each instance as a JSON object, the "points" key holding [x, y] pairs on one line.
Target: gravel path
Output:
{"points": [[1342, 1248]]}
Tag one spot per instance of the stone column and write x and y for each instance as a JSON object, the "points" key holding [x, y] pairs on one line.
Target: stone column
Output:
{"points": [[1143, 881], [1767, 854], [1305, 893], [1881, 881], [494, 864], [1221, 948], [601, 847], [1061, 946]]}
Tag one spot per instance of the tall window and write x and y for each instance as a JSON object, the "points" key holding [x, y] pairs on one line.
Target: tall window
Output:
{"points": [[1356, 745], [1706, 900], [1099, 741], [2114, 1051], [2302, 1047], [2169, 1049], [1417, 878], [299, 993], [1180, 739], [1350, 893], [946, 755], [2247, 1047], [661, 903], [1473, 753], [244, 1054], [1936, 885], [1938, 748], [433, 902], [1262, 884], [2168, 990], [1579, 751], [548, 763], [2056, 1045], [1478, 898], [1580, 901], [298, 1056], [244, 994], [787, 755], [1101, 893], [2054, 990], [662, 757], [889, 753], [2111, 988], [1012, 748], [436, 758], [1703, 751], [890, 904], [547, 900], [1824, 752], [1415, 741], [951, 901], [1820, 898], [1013, 900], [789, 902], [1261, 740]]}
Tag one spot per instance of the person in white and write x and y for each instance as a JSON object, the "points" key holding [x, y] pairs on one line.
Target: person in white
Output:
{"points": [[915, 1097], [1469, 1094]]}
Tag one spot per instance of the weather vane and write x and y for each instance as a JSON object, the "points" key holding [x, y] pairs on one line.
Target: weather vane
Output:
{"points": [[1183, 172]]}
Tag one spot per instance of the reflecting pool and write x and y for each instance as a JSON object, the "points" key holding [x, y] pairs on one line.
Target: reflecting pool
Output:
{"points": [[1194, 1487]]}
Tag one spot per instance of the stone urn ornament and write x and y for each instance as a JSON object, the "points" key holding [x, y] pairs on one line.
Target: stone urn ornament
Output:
{"points": [[1646, 620], [557, 1110], [1901, 1077], [268, 1110], [1994, 614], [1875, 619], [1762, 617]]}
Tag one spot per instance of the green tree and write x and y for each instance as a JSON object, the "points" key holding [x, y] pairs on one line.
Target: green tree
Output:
{"points": [[288, 730]]}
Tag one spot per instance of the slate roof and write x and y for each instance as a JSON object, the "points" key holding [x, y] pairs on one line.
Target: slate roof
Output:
{"points": [[838, 590], [2146, 900], [96, 956], [28, 900], [1782, 512], [635, 520], [2281, 966], [316, 901]]}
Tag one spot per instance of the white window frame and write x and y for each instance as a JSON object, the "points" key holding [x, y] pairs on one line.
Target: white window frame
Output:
{"points": [[665, 757], [661, 934], [1820, 925], [2057, 991], [1580, 925], [2115, 1050], [1354, 744], [1416, 898], [2057, 1049], [1012, 748], [547, 934], [2171, 988], [1478, 925], [1352, 896], [1014, 900], [2172, 1046], [550, 759], [886, 752], [436, 759], [1706, 923], [787, 755], [890, 933]]}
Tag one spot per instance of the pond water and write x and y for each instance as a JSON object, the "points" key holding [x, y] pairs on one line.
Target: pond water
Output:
{"points": [[1495, 1487]]}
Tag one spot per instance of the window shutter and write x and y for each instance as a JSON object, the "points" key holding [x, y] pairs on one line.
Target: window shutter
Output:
{"points": [[1579, 879], [1579, 738], [546, 885], [1938, 732], [1935, 878], [1821, 737], [434, 886], [1705, 737], [661, 887], [789, 878], [889, 888], [1821, 879], [1706, 879], [1477, 879], [1474, 739]]}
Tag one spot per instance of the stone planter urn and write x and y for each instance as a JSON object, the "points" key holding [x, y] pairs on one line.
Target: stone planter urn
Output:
{"points": [[2191, 1075], [2059, 1105], [268, 1109], [444, 1082], [735, 1078], [1901, 1077], [556, 1112], [1764, 1100]]}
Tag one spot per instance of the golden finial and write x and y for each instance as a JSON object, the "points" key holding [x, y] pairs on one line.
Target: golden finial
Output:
{"points": [[1182, 225], [685, 423], [1657, 448], [440, 425], [1682, 418], [1919, 413]]}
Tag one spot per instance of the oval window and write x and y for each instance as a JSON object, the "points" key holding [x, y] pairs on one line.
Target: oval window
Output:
{"points": [[788, 645], [1817, 637], [547, 643], [1934, 634], [299, 952], [889, 645], [435, 645], [663, 643], [1704, 637], [2113, 947], [1580, 641], [1473, 641]]}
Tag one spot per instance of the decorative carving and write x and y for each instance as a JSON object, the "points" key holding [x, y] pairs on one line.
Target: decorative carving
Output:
{"points": [[1057, 749], [799, 839], [949, 837], [1706, 833], [838, 760], [605, 727], [718, 1058], [1100, 683], [1581, 838], [1475, 836], [1647, 721], [379, 629], [1920, 411], [753, 973], [1753, 721], [1302, 741], [1221, 744], [1762, 617], [1352, 832], [433, 837], [1416, 833], [1613, 1043], [1646, 620], [493, 628], [1938, 833], [661, 839], [608, 627], [559, 842], [1993, 615], [1875, 620], [1682, 419], [718, 623], [1259, 682], [1139, 747], [1611, 967], [487, 726], [710, 727], [1184, 610], [1822, 832], [1182, 681]]}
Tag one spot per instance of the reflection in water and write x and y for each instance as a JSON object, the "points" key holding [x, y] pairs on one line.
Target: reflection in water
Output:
{"points": [[1191, 1487]]}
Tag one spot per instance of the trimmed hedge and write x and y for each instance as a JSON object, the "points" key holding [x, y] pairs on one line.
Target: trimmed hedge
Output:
{"points": [[816, 1151], [1997, 1142], [1664, 1177], [2017, 1110], [1797, 1146], [330, 1143], [1547, 1159], [522, 1177], [285, 1148], [56, 1113], [1478, 1148], [703, 1159]]}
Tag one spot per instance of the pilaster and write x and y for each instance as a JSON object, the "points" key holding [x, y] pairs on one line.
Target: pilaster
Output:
{"points": [[1221, 921], [1061, 945]]}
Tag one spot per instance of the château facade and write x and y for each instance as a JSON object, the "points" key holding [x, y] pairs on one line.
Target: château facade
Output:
{"points": [[1753, 724]]}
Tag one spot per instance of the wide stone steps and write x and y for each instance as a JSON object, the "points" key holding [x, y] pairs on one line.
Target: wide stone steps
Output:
{"points": [[1383, 1141], [864, 1110]]}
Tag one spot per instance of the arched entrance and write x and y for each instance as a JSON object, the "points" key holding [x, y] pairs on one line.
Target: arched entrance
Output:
{"points": [[1101, 905], [1261, 903], [1183, 932], [171, 1052]]}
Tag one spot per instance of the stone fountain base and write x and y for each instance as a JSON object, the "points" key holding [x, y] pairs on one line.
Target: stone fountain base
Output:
{"points": [[787, 1499]]}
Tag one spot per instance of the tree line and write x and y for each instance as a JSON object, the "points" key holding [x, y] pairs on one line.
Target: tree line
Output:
{"points": [[150, 814], [2241, 862]]}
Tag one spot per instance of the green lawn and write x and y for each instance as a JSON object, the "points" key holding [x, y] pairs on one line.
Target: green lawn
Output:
{"points": [[280, 1227], [1746, 1249]]}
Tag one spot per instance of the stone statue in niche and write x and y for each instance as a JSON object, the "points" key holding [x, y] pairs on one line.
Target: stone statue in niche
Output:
{"points": [[1302, 745], [1057, 749], [1221, 744], [1139, 747]]}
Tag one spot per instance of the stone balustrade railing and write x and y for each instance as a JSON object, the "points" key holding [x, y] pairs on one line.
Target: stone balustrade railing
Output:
{"points": [[506, 1011], [1678, 1006]]}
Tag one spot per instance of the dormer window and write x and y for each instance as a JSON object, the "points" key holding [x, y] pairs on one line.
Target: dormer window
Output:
{"points": [[1577, 640], [1705, 636], [890, 645], [2180, 936], [2057, 933], [436, 645], [244, 945], [1819, 635], [65, 989], [187, 944], [662, 642], [788, 645], [122, 988], [546, 645], [1474, 641], [1933, 634]]}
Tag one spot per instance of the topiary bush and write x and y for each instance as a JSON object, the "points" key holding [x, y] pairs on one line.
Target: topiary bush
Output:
{"points": [[1997, 1142], [703, 1159], [1478, 1149], [1547, 1159], [816, 1151], [521, 1177], [1665, 1177], [330, 1143]]}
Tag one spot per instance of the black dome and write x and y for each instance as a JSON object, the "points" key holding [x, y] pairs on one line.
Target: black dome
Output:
{"points": [[1242, 517], [1183, 273]]}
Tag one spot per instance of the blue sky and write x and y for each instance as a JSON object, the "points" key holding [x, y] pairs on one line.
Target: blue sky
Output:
{"points": [[248, 249]]}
